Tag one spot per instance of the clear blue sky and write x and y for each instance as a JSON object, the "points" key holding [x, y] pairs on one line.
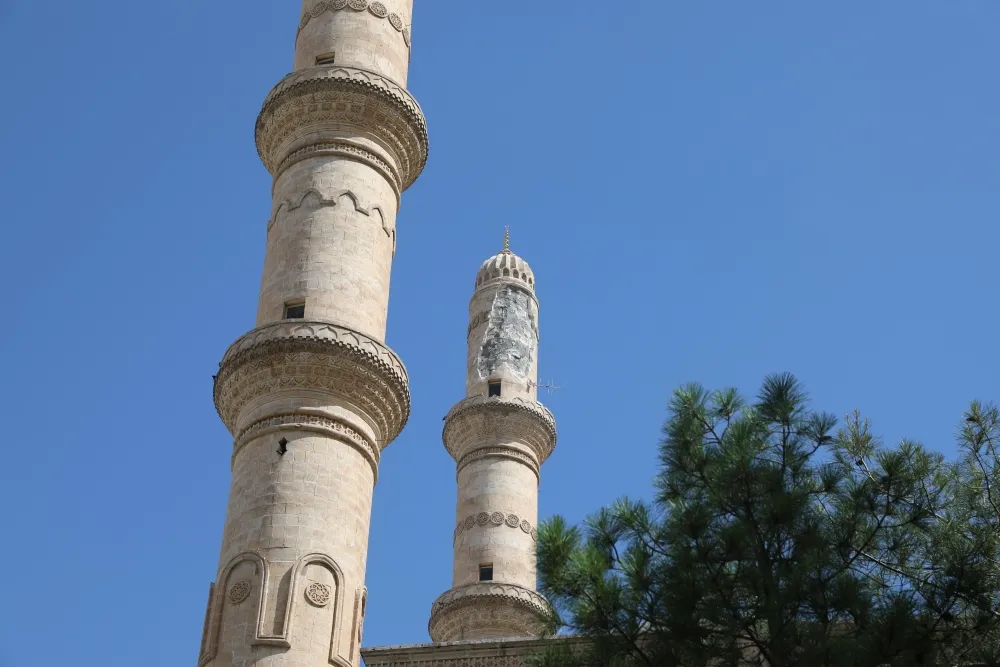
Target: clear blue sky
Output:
{"points": [[706, 191]]}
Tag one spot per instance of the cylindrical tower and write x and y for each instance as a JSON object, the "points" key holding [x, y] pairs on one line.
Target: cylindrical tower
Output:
{"points": [[313, 395], [499, 436]]}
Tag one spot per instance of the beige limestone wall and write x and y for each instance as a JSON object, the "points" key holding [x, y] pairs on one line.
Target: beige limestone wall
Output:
{"points": [[488, 486], [371, 35], [330, 241]]}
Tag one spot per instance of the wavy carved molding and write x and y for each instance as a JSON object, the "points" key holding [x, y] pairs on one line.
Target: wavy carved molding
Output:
{"points": [[496, 520], [376, 9], [289, 205]]}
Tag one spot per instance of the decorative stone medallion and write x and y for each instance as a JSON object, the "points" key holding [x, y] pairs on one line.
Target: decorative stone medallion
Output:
{"points": [[239, 592], [318, 594]]}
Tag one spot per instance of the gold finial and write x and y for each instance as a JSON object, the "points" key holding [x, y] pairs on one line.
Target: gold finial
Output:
{"points": [[506, 239]]}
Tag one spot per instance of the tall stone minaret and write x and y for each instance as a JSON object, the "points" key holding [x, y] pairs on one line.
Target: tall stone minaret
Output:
{"points": [[312, 395], [499, 436]]}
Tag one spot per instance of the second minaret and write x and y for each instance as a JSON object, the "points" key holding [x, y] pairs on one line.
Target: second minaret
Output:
{"points": [[499, 436]]}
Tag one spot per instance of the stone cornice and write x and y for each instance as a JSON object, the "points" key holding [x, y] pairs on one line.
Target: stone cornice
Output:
{"points": [[465, 653], [503, 452], [326, 425], [315, 356], [479, 422], [306, 107], [514, 609]]}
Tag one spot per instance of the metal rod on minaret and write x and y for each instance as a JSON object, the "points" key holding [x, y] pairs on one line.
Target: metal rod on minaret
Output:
{"points": [[313, 394]]}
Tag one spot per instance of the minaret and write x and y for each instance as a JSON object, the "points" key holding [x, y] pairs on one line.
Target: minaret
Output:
{"points": [[312, 395], [499, 436]]}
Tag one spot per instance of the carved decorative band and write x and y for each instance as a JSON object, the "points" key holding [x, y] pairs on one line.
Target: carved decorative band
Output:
{"points": [[517, 609], [499, 452], [320, 357], [328, 426], [316, 104], [496, 520], [351, 152], [376, 9], [480, 421]]}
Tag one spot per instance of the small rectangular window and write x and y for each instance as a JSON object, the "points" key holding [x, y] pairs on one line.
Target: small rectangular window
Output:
{"points": [[494, 389], [325, 59], [295, 311], [486, 572]]}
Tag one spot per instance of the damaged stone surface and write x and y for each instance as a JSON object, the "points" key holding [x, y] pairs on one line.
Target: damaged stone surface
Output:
{"points": [[511, 337]]}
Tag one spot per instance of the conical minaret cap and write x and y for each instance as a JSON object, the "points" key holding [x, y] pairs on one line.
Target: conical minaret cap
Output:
{"points": [[505, 266]]}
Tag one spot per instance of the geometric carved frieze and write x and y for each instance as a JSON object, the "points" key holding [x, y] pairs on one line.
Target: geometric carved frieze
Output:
{"points": [[323, 105], [484, 422], [376, 9], [317, 357], [488, 609], [496, 520]]}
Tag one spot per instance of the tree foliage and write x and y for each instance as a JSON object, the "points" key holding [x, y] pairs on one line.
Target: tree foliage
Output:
{"points": [[777, 537]]}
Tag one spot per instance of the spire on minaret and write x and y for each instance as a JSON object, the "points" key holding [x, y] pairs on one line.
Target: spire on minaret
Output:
{"points": [[506, 238]]}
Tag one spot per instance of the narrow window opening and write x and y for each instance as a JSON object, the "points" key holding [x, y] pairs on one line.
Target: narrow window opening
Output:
{"points": [[295, 311], [486, 572], [494, 388], [325, 59]]}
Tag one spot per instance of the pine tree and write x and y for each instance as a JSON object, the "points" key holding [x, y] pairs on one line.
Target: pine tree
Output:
{"points": [[775, 538]]}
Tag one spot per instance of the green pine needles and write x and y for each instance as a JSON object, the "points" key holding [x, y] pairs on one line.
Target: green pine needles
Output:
{"points": [[776, 537]]}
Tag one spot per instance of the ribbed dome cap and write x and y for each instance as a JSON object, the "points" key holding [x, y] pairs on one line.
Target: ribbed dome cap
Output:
{"points": [[507, 267]]}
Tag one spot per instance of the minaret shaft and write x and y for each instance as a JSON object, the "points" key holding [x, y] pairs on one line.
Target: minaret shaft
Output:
{"points": [[312, 395], [499, 436]]}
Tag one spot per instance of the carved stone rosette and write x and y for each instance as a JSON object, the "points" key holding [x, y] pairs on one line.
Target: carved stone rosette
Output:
{"points": [[493, 426], [488, 609], [323, 109], [320, 358]]}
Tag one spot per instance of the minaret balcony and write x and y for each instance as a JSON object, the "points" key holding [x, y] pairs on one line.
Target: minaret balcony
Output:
{"points": [[342, 110], [493, 425], [297, 366], [488, 610]]}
